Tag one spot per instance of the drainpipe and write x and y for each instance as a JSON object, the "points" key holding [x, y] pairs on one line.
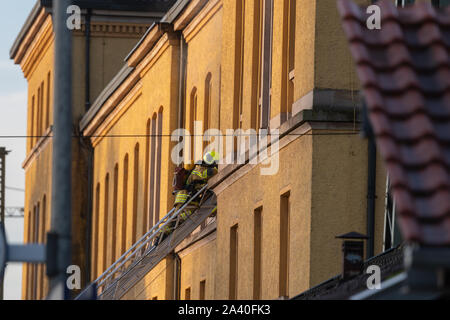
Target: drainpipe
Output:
{"points": [[89, 205], [371, 184], [88, 59], [88, 147]]}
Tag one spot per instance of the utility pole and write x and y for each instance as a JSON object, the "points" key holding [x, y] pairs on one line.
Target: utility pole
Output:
{"points": [[3, 154], [60, 238]]}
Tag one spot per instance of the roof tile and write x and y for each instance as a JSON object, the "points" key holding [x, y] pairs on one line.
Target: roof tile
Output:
{"points": [[404, 69]]}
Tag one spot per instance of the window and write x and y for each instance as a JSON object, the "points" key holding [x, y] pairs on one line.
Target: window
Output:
{"points": [[202, 290], [47, 112], [115, 213], [240, 53], [158, 165], [124, 205], [208, 105], [41, 118], [392, 236], [29, 266], [208, 102], [284, 244], [187, 294], [257, 64], [36, 221], [192, 118], [32, 240], [42, 240], [291, 56], [257, 254], [135, 194], [146, 223], [95, 234], [266, 63], [155, 127], [39, 115], [33, 125], [105, 223], [151, 196], [234, 253]]}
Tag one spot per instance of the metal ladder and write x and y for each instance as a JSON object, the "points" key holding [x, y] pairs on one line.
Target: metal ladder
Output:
{"points": [[145, 254]]}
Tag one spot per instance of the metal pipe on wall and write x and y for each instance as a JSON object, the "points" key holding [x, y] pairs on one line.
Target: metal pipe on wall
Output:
{"points": [[371, 194], [60, 247], [88, 59]]}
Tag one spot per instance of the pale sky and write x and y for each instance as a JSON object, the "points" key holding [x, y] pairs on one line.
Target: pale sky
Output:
{"points": [[13, 103]]}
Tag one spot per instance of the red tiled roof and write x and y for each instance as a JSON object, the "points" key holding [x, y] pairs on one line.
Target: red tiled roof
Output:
{"points": [[404, 69]]}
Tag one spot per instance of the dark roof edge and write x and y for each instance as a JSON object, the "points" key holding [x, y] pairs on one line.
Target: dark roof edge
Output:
{"points": [[171, 15], [112, 86], [175, 11], [140, 41], [28, 23]]}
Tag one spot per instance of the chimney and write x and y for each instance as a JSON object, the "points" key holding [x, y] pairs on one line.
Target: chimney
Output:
{"points": [[353, 254]]}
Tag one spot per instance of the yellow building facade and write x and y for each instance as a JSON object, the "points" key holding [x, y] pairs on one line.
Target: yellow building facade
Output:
{"points": [[277, 65], [97, 58], [273, 235]]}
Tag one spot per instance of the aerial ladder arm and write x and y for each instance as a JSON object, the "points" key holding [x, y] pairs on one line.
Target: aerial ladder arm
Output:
{"points": [[148, 252]]}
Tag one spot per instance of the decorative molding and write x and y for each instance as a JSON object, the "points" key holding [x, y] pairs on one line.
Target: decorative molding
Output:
{"points": [[188, 14], [115, 115], [167, 40], [41, 144], [105, 29], [327, 99], [202, 18], [144, 46], [30, 36], [38, 48]]}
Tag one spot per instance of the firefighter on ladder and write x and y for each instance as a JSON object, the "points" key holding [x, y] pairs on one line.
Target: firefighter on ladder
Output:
{"points": [[185, 188]]}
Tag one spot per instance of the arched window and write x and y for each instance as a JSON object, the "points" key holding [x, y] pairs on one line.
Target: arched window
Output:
{"points": [[239, 71], [47, 112], [190, 126], [28, 268], [95, 233], [151, 191], [123, 234], [146, 217], [115, 213], [135, 193], [32, 125], [41, 118], [158, 164], [39, 114], [105, 223], [208, 103], [42, 233]]}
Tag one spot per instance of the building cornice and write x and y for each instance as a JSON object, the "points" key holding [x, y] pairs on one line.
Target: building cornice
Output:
{"points": [[111, 30], [192, 9], [144, 46], [28, 34], [28, 31], [38, 48], [116, 113], [38, 148], [201, 19]]}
